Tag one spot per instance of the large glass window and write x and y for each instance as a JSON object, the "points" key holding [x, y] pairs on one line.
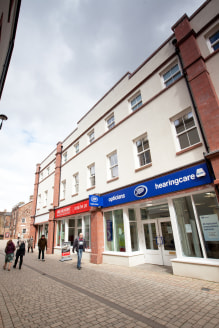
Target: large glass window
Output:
{"points": [[75, 228], [60, 232], [155, 212], [114, 231], [198, 223], [133, 230], [208, 216], [87, 230], [71, 232]]}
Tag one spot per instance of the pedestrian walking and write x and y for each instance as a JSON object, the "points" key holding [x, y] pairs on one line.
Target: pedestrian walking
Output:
{"points": [[30, 244], [79, 245], [20, 253], [9, 254], [42, 245]]}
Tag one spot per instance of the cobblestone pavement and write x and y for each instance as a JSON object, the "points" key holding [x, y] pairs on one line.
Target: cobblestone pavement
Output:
{"points": [[55, 294]]}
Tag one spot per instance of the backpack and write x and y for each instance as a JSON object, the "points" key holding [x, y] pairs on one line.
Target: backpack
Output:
{"points": [[22, 246]]}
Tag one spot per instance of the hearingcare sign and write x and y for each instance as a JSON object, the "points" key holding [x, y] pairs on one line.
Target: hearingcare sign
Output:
{"points": [[73, 209]]}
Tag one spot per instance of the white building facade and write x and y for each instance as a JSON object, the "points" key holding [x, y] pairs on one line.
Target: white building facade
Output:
{"points": [[139, 175]]}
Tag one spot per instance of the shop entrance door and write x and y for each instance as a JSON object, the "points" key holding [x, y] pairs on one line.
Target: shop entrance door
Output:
{"points": [[159, 241]]}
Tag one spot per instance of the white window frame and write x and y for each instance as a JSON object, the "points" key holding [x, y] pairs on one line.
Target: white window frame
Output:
{"points": [[91, 175], [91, 136], [135, 141], [76, 183], [39, 200], [110, 124], [176, 135], [172, 76], [48, 170], [139, 102], [112, 166], [65, 157], [45, 200], [63, 189], [76, 145], [209, 35]]}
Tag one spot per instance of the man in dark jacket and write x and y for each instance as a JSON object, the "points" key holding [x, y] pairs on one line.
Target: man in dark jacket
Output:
{"points": [[20, 253], [79, 245], [42, 245]]}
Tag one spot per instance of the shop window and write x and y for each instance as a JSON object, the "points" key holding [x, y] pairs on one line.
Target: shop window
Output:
{"points": [[155, 212], [172, 75], [113, 165], [186, 130], [71, 232], [136, 102], [114, 231], [143, 151], [87, 230], [208, 218], [199, 229], [60, 232], [110, 122], [133, 230]]}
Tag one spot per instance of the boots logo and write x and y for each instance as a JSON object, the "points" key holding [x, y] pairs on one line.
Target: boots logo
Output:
{"points": [[140, 191]]}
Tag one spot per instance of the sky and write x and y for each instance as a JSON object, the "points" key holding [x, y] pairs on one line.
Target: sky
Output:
{"points": [[67, 55]]}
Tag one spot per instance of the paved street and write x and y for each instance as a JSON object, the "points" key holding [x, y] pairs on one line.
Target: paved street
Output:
{"points": [[55, 294]]}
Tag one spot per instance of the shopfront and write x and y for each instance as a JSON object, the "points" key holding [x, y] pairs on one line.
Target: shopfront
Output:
{"points": [[181, 225], [71, 221]]}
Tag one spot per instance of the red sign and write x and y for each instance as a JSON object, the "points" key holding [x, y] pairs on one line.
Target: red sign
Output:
{"points": [[73, 209]]}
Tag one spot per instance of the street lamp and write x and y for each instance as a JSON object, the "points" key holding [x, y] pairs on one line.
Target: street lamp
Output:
{"points": [[3, 118]]}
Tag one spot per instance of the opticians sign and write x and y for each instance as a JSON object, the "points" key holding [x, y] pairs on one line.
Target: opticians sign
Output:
{"points": [[188, 178], [73, 209]]}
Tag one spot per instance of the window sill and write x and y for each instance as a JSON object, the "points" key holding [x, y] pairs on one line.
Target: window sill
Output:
{"points": [[111, 180], [62, 199], [74, 195], [90, 188], [143, 167], [189, 148], [45, 206]]}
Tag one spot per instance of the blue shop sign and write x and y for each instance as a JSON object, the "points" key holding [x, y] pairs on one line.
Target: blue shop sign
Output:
{"points": [[188, 178], [95, 200]]}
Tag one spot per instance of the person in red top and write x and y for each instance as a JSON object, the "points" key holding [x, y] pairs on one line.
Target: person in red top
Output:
{"points": [[79, 245]]}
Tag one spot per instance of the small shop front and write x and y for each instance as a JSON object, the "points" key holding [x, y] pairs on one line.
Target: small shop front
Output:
{"points": [[72, 220], [171, 220]]}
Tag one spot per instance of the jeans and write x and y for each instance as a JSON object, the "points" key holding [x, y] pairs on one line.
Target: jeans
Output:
{"points": [[16, 260], [80, 252], [41, 250]]}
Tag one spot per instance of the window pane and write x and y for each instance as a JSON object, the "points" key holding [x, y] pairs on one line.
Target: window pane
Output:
{"points": [[139, 146], [147, 156], [188, 120], [114, 171], [193, 136], [141, 159], [119, 231], [109, 231], [183, 141], [87, 230], [155, 212], [145, 143], [179, 125], [187, 227], [150, 236], [208, 215], [134, 236], [131, 214]]}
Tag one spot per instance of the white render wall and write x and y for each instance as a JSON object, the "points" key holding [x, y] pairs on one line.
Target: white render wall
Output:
{"points": [[153, 119]]}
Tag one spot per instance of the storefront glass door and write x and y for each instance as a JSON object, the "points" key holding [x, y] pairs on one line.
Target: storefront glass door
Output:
{"points": [[159, 241]]}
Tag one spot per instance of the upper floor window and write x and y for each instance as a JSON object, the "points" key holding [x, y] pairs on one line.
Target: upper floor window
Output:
{"points": [[23, 220], [214, 40], [76, 148], [136, 102], [45, 198], [186, 130], [41, 175], [143, 151], [91, 136], [63, 189], [113, 165], [65, 157], [110, 122], [39, 201], [76, 183], [48, 170], [91, 169], [172, 75]]}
